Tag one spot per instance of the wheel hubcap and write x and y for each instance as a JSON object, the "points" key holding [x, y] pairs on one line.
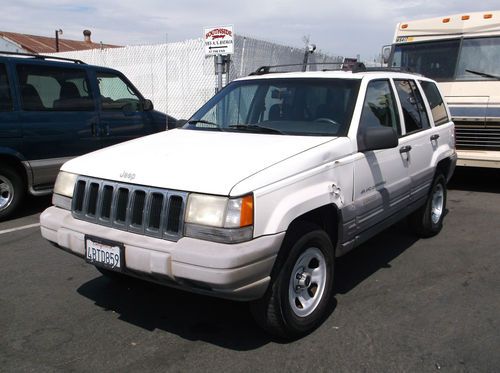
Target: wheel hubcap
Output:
{"points": [[307, 282], [437, 204], [6, 192]]}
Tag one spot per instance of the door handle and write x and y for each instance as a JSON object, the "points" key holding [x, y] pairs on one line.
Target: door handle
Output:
{"points": [[405, 149], [93, 129], [434, 137]]}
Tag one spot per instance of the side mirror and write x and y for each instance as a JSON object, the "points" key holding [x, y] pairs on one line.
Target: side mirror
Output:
{"points": [[147, 105], [386, 53], [377, 138]]}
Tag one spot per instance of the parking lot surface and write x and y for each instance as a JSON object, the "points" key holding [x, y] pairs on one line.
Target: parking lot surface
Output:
{"points": [[402, 305]]}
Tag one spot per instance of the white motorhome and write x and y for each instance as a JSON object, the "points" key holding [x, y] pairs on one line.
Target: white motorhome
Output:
{"points": [[462, 53]]}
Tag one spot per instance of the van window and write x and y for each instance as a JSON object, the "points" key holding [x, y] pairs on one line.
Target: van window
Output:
{"points": [[5, 98], [414, 112], [116, 94], [379, 108], [438, 110], [48, 88]]}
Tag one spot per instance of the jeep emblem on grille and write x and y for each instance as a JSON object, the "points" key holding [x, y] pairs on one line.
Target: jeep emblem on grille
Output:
{"points": [[127, 175]]}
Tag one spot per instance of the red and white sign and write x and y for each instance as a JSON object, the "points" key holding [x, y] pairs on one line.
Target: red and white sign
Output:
{"points": [[219, 40]]}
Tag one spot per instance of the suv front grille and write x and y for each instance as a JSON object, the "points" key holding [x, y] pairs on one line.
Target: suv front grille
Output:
{"points": [[134, 208]]}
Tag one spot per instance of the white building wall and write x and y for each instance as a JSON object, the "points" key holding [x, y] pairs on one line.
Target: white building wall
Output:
{"points": [[8, 46]]}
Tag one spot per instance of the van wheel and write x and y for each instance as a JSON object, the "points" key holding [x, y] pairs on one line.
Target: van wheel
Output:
{"points": [[12, 191], [428, 220], [299, 295]]}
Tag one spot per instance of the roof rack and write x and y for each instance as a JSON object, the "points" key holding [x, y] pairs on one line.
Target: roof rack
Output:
{"points": [[42, 57], [357, 67], [267, 69]]}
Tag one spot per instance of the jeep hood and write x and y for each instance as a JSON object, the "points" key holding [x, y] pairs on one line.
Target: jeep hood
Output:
{"points": [[189, 160]]}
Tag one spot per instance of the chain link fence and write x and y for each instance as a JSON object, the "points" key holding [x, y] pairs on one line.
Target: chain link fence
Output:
{"points": [[178, 78]]}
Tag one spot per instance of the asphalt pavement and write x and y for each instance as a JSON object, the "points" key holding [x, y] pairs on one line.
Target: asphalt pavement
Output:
{"points": [[402, 305]]}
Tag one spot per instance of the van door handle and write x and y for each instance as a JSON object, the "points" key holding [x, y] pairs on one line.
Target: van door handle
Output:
{"points": [[434, 137], [93, 129], [405, 149]]}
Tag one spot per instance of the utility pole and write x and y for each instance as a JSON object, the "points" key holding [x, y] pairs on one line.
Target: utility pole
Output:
{"points": [[58, 32]]}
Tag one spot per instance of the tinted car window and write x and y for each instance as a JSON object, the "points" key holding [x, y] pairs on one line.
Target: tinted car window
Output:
{"points": [[116, 94], [5, 98], [414, 113], [438, 110], [379, 108], [46, 88]]}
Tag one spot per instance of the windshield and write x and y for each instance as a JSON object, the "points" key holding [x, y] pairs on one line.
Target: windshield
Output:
{"points": [[281, 106], [447, 60]]}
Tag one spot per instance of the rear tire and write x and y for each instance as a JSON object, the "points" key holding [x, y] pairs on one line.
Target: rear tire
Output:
{"points": [[12, 191], [299, 295], [428, 220]]}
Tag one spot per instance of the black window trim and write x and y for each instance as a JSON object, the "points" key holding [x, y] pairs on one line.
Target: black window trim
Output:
{"points": [[427, 103], [9, 86]]}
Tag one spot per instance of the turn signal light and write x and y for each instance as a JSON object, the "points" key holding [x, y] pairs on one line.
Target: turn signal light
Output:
{"points": [[246, 215]]}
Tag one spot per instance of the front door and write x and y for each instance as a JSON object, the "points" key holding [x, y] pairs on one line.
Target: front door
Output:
{"points": [[381, 180], [121, 116]]}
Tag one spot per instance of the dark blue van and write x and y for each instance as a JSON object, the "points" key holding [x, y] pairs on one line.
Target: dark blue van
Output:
{"points": [[53, 109]]}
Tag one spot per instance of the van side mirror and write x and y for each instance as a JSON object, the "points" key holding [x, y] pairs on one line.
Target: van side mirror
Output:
{"points": [[377, 138], [147, 105], [386, 53]]}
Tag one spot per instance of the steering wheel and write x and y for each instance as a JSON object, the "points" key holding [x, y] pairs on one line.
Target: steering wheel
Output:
{"points": [[327, 120]]}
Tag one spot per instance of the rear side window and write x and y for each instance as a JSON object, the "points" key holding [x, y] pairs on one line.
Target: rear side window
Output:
{"points": [[48, 88], [379, 108], [5, 97], [438, 110], [414, 113]]}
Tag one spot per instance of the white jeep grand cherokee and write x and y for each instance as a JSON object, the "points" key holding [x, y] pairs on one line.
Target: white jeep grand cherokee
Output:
{"points": [[263, 187]]}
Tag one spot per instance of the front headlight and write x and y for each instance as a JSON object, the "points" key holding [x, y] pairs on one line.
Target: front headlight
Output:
{"points": [[63, 189], [220, 219], [65, 183]]}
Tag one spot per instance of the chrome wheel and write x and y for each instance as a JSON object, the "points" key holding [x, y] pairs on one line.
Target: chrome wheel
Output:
{"points": [[437, 204], [6, 192], [307, 282]]}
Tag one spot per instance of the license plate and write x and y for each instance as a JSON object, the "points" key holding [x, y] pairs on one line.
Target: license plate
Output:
{"points": [[104, 254]]}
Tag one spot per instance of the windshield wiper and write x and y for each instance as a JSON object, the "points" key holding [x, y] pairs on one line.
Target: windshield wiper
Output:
{"points": [[203, 121], [255, 128], [485, 75]]}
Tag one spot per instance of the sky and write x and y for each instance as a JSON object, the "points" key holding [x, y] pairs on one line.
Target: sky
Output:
{"points": [[347, 28]]}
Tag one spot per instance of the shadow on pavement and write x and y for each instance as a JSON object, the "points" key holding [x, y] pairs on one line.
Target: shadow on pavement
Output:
{"points": [[31, 205], [377, 253], [476, 179], [194, 317]]}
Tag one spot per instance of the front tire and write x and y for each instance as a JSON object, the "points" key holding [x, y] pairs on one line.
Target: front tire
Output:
{"points": [[300, 292], [428, 220], [12, 191]]}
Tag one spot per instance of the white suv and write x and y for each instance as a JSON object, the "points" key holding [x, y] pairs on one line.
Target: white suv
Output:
{"points": [[252, 200]]}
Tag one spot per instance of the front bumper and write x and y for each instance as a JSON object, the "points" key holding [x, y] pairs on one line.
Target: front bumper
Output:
{"points": [[234, 271]]}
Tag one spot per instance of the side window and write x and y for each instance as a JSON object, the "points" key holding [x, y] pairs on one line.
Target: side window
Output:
{"points": [[379, 108], [48, 88], [414, 113], [5, 98], [438, 109], [116, 94]]}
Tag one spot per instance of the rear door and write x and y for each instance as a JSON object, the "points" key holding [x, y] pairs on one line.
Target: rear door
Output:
{"points": [[58, 116], [419, 142], [381, 179], [121, 116]]}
